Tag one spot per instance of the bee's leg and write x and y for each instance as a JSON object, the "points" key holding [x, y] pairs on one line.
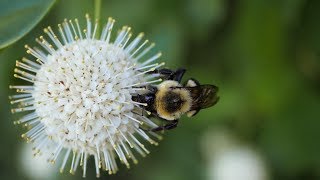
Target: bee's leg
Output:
{"points": [[152, 88], [171, 125], [177, 75], [168, 74], [163, 72]]}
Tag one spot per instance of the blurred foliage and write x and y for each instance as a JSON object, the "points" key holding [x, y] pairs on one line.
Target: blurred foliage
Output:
{"points": [[18, 17], [264, 56]]}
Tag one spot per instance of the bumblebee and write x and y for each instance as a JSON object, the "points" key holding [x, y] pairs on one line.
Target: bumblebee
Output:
{"points": [[169, 100]]}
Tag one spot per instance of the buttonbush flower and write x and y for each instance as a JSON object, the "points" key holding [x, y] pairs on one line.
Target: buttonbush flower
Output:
{"points": [[77, 99]]}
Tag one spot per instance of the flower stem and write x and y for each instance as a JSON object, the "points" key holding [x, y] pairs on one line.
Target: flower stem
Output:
{"points": [[97, 13]]}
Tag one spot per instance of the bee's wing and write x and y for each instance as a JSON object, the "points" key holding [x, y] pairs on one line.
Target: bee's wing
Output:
{"points": [[203, 96]]}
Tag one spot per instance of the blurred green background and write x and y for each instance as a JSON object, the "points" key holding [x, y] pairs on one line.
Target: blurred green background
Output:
{"points": [[263, 55]]}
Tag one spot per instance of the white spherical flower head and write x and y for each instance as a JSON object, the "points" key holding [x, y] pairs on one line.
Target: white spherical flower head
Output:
{"points": [[80, 97]]}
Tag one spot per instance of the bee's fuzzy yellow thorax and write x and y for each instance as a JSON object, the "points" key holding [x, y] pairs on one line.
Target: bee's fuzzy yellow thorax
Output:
{"points": [[172, 87]]}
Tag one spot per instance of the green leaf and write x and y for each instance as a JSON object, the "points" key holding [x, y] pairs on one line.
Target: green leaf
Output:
{"points": [[18, 17]]}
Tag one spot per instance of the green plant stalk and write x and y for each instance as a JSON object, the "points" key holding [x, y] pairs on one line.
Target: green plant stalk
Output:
{"points": [[97, 14]]}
